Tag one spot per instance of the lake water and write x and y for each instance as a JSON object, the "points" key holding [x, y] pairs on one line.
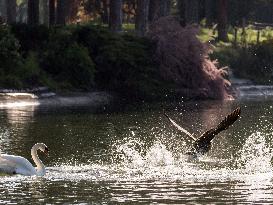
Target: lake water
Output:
{"points": [[136, 156]]}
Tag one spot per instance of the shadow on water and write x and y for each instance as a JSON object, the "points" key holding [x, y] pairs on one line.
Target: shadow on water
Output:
{"points": [[136, 156]]}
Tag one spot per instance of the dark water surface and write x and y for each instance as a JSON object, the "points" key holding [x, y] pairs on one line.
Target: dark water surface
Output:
{"points": [[137, 156]]}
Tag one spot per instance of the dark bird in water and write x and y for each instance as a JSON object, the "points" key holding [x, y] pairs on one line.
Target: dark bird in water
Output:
{"points": [[202, 144]]}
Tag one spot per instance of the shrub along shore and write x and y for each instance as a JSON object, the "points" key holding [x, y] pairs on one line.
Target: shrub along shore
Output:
{"points": [[249, 56], [78, 58], [253, 62], [90, 58]]}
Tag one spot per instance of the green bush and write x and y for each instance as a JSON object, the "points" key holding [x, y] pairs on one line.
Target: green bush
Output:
{"points": [[11, 81], [225, 54], [31, 73], [59, 41], [79, 57], [93, 37], [10, 57], [51, 57], [254, 62], [79, 66], [69, 65], [31, 38], [124, 63]]}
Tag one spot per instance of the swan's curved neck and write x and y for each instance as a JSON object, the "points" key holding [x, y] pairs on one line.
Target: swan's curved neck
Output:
{"points": [[40, 170]]}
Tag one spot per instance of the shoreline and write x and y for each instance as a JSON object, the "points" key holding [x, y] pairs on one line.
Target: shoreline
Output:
{"points": [[99, 100]]}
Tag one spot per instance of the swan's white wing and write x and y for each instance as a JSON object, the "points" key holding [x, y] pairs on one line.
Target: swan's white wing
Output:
{"points": [[180, 128], [7, 166], [16, 165]]}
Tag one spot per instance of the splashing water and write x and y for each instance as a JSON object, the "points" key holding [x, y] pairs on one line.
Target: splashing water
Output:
{"points": [[136, 156], [158, 155], [256, 155], [157, 170], [158, 163]]}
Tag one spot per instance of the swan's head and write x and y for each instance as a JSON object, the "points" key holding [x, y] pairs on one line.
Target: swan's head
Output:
{"points": [[42, 147]]}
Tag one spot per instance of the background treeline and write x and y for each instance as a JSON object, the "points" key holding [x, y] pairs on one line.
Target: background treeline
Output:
{"points": [[77, 58], [138, 12], [107, 44]]}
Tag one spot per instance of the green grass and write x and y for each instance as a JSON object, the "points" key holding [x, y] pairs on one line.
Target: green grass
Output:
{"points": [[250, 36], [125, 26], [128, 27], [206, 35]]}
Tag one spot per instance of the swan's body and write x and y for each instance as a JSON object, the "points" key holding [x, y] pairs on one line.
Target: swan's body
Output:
{"points": [[202, 144], [11, 164]]}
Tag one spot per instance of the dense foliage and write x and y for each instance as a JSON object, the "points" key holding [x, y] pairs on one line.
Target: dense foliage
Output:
{"points": [[183, 59], [253, 62], [123, 62], [88, 57], [78, 58], [10, 58]]}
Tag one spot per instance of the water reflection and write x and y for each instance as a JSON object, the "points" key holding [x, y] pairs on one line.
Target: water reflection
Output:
{"points": [[16, 119], [20, 115], [137, 156]]}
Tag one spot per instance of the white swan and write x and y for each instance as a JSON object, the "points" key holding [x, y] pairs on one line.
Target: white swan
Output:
{"points": [[11, 164]]}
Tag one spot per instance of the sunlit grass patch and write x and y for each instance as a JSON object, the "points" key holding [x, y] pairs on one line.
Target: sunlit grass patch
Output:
{"points": [[206, 35], [249, 36], [128, 27]]}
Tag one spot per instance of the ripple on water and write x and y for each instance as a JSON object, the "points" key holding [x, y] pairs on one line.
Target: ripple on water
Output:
{"points": [[159, 176], [158, 163]]}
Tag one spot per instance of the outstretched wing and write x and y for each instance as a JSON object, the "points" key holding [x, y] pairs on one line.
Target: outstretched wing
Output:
{"points": [[207, 136], [180, 128]]}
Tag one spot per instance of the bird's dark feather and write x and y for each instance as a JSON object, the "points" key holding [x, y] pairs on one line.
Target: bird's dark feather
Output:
{"points": [[203, 142]]}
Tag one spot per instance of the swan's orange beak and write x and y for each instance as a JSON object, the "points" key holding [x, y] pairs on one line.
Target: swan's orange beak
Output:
{"points": [[46, 151]]}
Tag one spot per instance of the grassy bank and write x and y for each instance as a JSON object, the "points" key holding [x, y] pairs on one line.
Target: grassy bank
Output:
{"points": [[244, 37]]}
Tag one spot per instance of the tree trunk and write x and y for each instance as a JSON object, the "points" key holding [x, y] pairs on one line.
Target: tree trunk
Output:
{"points": [[11, 11], [182, 12], [45, 11], [191, 12], [3, 11], [61, 12], [142, 16], [52, 12], [105, 13], [71, 10], [154, 8], [33, 12], [222, 20], [209, 12], [115, 20], [165, 7]]}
